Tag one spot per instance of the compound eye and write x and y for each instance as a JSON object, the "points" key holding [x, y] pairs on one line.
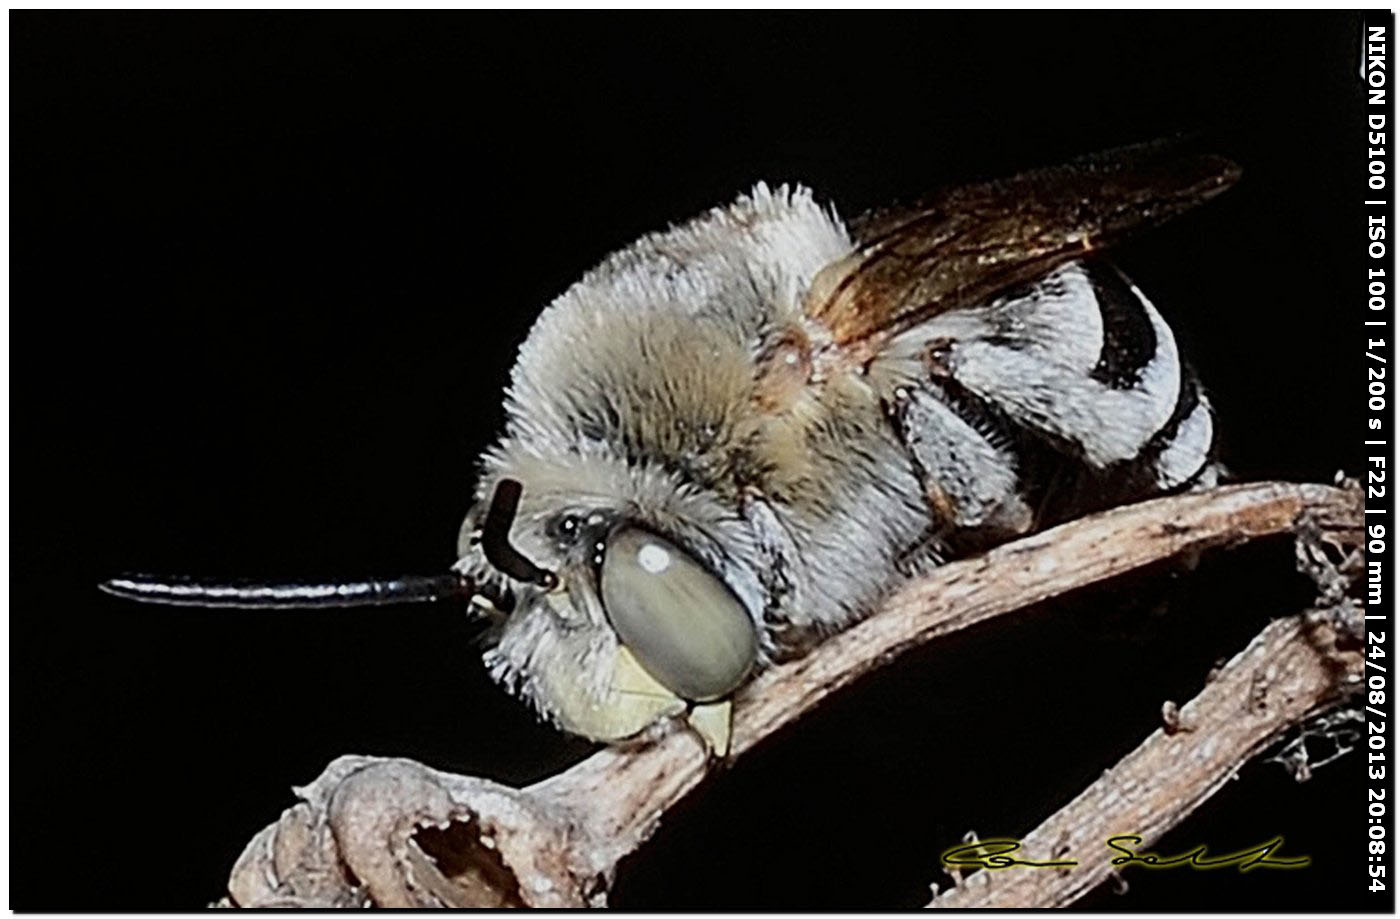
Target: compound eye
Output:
{"points": [[682, 624]]}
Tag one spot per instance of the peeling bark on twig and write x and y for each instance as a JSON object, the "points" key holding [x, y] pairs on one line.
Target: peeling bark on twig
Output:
{"points": [[394, 833]]}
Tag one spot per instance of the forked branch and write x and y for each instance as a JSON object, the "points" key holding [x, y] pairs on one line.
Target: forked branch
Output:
{"points": [[395, 833]]}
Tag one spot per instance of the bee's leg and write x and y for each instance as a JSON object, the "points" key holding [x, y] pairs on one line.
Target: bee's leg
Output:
{"points": [[967, 463]]}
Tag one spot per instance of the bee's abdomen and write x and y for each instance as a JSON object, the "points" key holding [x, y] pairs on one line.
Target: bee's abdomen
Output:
{"points": [[1129, 341], [1180, 453], [1051, 401]]}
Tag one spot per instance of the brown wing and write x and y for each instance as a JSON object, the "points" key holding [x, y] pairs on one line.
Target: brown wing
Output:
{"points": [[965, 244]]}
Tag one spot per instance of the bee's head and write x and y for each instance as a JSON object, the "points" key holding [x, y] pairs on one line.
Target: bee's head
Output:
{"points": [[630, 593]]}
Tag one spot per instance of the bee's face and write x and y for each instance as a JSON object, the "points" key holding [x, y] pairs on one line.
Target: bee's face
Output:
{"points": [[631, 427], [656, 603]]}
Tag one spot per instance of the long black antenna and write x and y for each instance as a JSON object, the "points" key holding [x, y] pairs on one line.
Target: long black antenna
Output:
{"points": [[183, 591], [423, 588]]}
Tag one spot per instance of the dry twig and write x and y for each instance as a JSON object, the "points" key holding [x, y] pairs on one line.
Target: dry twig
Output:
{"points": [[1291, 669], [393, 832]]}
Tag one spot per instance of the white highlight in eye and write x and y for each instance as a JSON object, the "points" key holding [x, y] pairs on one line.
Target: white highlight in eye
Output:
{"points": [[653, 558]]}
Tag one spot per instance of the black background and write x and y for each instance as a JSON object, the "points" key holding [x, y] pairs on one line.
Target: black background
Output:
{"points": [[269, 275]]}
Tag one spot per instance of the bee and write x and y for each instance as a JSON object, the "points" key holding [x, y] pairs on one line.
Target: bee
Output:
{"points": [[731, 438]]}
